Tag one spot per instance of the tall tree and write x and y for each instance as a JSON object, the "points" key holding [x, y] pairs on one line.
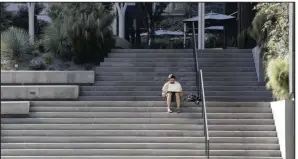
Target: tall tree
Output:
{"points": [[5, 17], [20, 18], [88, 27], [153, 12]]}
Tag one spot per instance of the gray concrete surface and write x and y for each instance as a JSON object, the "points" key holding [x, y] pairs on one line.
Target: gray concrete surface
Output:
{"points": [[48, 77], [39, 92], [15, 107]]}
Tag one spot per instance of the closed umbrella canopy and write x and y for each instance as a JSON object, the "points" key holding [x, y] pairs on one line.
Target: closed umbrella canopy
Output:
{"points": [[210, 16], [165, 32], [215, 28]]}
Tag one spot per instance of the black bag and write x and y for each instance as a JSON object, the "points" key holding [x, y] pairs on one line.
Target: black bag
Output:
{"points": [[191, 98]]}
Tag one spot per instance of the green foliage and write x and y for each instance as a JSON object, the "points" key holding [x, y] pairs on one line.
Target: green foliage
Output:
{"points": [[20, 18], [278, 73], [213, 41], [270, 30], [56, 40], [153, 16], [16, 41], [256, 31], [48, 59], [37, 64], [172, 24], [6, 57], [5, 17], [82, 28]]}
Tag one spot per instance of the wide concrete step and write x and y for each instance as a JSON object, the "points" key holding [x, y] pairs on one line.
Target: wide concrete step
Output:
{"points": [[144, 69], [154, 93], [196, 146], [179, 55], [152, 50], [177, 74], [136, 157], [185, 78], [183, 83], [58, 118], [177, 64], [158, 133], [225, 105], [158, 111], [158, 88], [231, 50], [194, 127], [126, 115], [151, 98], [158, 98], [147, 152], [176, 59], [96, 139], [163, 74], [173, 69]]}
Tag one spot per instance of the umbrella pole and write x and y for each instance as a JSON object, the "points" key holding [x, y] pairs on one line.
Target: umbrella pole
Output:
{"points": [[184, 36]]}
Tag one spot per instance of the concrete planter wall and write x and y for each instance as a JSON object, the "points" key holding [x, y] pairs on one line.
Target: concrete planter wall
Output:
{"points": [[256, 52], [47, 77], [39, 92], [15, 108], [283, 114]]}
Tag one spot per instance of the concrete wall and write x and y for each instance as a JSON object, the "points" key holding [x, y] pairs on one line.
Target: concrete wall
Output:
{"points": [[258, 63], [15, 108], [39, 92], [283, 114], [48, 77]]}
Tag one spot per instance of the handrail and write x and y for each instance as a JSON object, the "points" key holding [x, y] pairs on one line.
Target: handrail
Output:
{"points": [[204, 114], [201, 92]]}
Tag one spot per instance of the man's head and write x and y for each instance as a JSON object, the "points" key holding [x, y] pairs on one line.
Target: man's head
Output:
{"points": [[172, 78]]}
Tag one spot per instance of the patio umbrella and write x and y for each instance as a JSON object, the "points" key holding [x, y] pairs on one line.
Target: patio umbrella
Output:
{"points": [[162, 32], [215, 28], [211, 19], [210, 16]]}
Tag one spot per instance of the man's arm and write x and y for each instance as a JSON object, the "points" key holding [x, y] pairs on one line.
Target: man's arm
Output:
{"points": [[165, 88]]}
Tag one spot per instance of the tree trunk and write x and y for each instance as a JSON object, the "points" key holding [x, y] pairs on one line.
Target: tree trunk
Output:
{"points": [[122, 25], [149, 32]]}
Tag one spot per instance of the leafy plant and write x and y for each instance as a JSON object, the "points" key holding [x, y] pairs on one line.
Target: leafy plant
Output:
{"points": [[270, 30], [56, 40], [20, 18], [5, 17], [37, 64], [84, 29], [16, 41], [153, 13], [278, 81], [6, 57], [48, 59]]}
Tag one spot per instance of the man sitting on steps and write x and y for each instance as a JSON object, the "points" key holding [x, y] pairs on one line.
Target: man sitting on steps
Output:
{"points": [[170, 89]]}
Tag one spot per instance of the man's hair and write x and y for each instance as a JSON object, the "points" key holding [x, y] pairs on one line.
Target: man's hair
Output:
{"points": [[171, 76]]}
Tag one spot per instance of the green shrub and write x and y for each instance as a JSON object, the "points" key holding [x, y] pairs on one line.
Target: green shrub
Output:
{"points": [[6, 57], [270, 29], [48, 59], [82, 29], [278, 77], [160, 43], [177, 44], [37, 64], [88, 27], [56, 40], [17, 42]]}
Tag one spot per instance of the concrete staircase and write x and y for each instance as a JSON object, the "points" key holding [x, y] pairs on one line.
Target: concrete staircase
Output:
{"points": [[139, 130], [138, 75]]}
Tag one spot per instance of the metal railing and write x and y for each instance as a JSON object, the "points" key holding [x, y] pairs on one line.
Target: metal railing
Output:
{"points": [[204, 115], [201, 92]]}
